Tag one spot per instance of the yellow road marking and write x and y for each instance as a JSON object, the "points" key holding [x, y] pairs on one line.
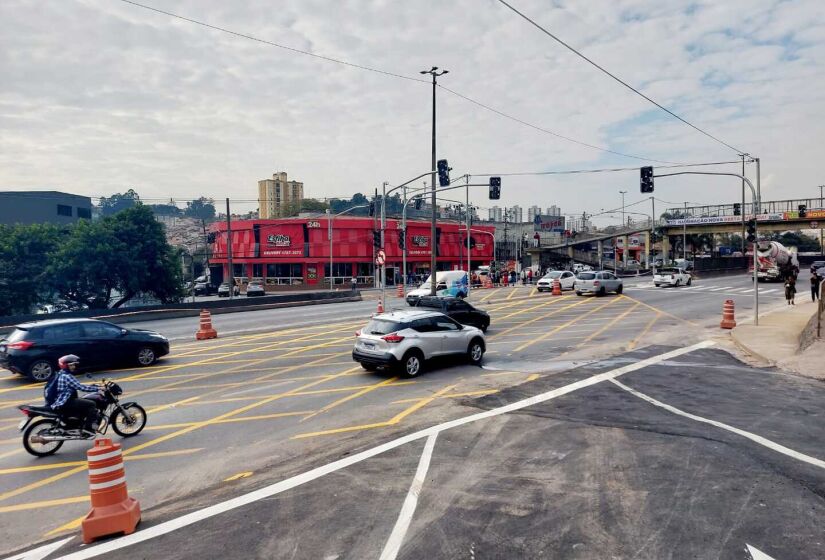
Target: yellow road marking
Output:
{"points": [[360, 393], [239, 476], [636, 340], [392, 421], [141, 457], [608, 325], [171, 405], [488, 296], [540, 317], [478, 393], [568, 323], [44, 504], [70, 526], [533, 291], [512, 293], [657, 310], [532, 377], [231, 420], [10, 453]]}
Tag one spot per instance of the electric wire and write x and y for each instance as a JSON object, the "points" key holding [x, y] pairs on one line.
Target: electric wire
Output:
{"points": [[628, 86], [389, 74]]}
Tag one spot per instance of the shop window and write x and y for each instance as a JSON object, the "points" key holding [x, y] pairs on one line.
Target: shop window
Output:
{"points": [[257, 270], [285, 274], [238, 269]]}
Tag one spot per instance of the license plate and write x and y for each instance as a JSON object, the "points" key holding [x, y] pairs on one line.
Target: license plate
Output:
{"points": [[369, 346], [22, 424]]}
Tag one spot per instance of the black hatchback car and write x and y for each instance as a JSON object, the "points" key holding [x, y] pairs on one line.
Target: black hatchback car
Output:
{"points": [[32, 349], [457, 309]]}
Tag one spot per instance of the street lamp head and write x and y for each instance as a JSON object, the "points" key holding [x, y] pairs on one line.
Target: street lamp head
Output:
{"points": [[424, 72], [445, 72], [434, 69]]}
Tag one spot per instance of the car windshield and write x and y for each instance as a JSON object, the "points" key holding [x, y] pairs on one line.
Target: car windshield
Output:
{"points": [[382, 326], [554, 274], [586, 276], [669, 271]]}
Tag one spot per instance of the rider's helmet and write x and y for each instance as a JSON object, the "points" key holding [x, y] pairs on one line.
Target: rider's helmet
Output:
{"points": [[66, 360]]}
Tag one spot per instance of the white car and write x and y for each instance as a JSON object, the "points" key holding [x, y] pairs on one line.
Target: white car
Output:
{"points": [[672, 277], [566, 278]]}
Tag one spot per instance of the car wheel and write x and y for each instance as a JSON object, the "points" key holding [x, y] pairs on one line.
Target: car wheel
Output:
{"points": [[620, 289], [368, 367], [41, 370], [475, 352], [657, 285], [602, 291], [412, 363], [146, 356], [678, 283], [690, 280], [578, 293]]}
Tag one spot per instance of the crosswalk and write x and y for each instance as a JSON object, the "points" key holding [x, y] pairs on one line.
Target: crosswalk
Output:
{"points": [[708, 288]]}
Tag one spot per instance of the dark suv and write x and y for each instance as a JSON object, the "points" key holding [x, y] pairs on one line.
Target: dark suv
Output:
{"points": [[32, 349], [458, 309]]}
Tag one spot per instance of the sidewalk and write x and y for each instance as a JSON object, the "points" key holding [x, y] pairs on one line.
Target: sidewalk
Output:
{"points": [[780, 335]]}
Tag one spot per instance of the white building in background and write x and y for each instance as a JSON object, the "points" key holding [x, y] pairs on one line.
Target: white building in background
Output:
{"points": [[516, 214], [554, 211], [532, 212], [495, 214]]}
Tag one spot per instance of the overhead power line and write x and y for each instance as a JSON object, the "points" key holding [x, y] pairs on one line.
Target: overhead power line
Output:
{"points": [[388, 74], [605, 170], [625, 84]]}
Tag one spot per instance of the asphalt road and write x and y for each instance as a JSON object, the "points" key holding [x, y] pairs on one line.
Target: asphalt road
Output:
{"points": [[244, 411]]}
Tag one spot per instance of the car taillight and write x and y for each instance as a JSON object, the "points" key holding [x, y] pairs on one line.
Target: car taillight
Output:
{"points": [[596, 283], [22, 345], [392, 338]]}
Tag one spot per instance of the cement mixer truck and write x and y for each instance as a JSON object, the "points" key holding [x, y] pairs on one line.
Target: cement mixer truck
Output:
{"points": [[776, 261]]}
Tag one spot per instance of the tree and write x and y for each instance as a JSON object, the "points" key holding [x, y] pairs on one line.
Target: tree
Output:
{"points": [[25, 251], [803, 243], [122, 255], [312, 205], [118, 202], [202, 208], [165, 209]]}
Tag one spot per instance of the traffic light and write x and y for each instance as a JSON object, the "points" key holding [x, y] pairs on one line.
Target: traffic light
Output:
{"points": [[443, 173], [376, 239], [737, 209], [495, 188], [803, 211], [751, 228], [419, 201], [647, 179], [372, 208], [402, 239]]}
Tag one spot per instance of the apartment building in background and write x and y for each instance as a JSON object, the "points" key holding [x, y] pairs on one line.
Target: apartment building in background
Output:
{"points": [[279, 197]]}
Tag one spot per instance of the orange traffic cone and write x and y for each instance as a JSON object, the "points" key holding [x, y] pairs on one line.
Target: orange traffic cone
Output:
{"points": [[206, 331], [113, 511], [380, 306], [556, 287], [728, 322], [400, 291]]}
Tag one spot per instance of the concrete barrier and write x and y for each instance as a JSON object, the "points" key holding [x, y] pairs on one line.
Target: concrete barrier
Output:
{"points": [[178, 310]]}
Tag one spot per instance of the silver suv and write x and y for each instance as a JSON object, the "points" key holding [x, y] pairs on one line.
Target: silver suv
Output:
{"points": [[403, 340], [598, 283]]}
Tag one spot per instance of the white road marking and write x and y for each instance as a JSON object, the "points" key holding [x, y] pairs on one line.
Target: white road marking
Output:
{"points": [[753, 437], [410, 502], [720, 289], [757, 554], [292, 482], [40, 553], [768, 291]]}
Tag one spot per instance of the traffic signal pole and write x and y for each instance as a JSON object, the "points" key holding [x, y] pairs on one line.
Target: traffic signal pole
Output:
{"points": [[756, 210]]}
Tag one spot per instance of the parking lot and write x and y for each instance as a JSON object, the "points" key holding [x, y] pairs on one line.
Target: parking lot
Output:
{"points": [[241, 411]]}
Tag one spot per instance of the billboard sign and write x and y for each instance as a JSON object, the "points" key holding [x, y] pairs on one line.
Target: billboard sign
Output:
{"points": [[543, 222]]}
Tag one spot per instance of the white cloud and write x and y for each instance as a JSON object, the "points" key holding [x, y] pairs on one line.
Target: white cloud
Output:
{"points": [[99, 96]]}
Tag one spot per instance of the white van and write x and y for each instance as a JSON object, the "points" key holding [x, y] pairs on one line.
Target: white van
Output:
{"points": [[448, 283]]}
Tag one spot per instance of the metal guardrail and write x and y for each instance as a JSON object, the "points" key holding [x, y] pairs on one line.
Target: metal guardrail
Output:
{"points": [[769, 207]]}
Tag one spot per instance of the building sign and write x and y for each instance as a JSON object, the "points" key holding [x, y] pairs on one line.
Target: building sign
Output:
{"points": [[548, 223], [778, 217], [420, 240], [312, 273], [279, 240], [419, 245], [313, 224]]}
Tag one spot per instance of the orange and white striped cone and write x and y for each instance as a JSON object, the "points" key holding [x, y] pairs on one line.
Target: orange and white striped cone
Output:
{"points": [[556, 287], [206, 331], [728, 320], [380, 306], [400, 291], [113, 511]]}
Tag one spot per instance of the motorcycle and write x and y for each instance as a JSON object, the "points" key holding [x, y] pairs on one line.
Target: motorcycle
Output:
{"points": [[45, 430]]}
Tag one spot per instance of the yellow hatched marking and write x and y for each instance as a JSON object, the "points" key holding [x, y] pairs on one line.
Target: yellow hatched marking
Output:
{"points": [[240, 475], [636, 340], [360, 393], [141, 457], [568, 323]]}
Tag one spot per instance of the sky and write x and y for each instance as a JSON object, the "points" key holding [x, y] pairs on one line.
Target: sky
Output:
{"points": [[98, 96]]}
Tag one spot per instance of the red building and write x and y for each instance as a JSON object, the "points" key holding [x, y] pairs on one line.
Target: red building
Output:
{"points": [[296, 251]]}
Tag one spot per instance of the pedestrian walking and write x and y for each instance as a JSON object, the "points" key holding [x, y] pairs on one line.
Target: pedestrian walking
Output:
{"points": [[353, 282], [816, 280], [530, 276], [790, 290]]}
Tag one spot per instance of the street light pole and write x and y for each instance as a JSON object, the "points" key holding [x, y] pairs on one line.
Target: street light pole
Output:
{"points": [[433, 249], [229, 251], [623, 193], [684, 237], [467, 219]]}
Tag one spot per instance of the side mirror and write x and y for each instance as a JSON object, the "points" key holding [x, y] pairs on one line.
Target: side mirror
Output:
{"points": [[123, 332]]}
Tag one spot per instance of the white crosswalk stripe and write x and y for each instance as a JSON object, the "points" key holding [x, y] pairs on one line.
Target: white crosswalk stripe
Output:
{"points": [[740, 290]]}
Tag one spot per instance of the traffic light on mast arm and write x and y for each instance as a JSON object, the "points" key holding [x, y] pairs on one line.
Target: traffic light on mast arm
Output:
{"points": [[376, 239], [443, 173], [419, 201], [751, 228], [495, 188], [646, 181], [737, 209], [402, 239], [803, 211]]}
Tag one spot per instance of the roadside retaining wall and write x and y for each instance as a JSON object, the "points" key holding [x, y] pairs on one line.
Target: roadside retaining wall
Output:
{"points": [[177, 310]]}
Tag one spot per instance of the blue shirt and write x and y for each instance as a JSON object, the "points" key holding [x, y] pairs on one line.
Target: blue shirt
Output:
{"points": [[67, 387]]}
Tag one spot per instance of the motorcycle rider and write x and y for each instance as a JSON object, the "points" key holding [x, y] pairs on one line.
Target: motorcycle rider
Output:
{"points": [[61, 395]]}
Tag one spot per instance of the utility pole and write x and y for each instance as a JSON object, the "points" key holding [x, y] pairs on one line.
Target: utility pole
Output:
{"points": [[623, 222], [743, 206], [229, 251], [433, 249], [467, 208]]}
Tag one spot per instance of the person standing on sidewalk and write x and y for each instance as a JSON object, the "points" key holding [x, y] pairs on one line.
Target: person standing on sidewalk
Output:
{"points": [[790, 289], [815, 281]]}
